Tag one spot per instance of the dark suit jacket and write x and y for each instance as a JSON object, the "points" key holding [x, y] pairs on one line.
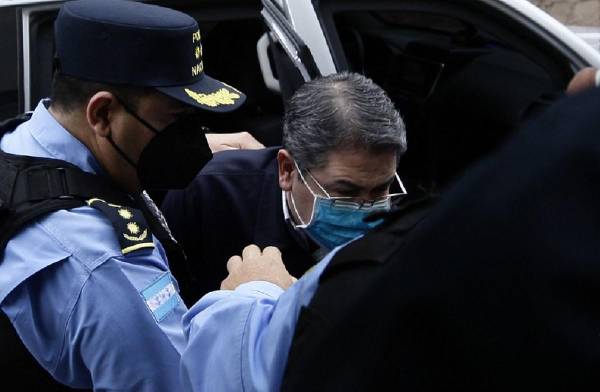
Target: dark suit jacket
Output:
{"points": [[497, 289], [234, 201]]}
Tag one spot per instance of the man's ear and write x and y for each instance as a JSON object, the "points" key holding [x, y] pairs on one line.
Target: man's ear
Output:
{"points": [[100, 111], [287, 169]]}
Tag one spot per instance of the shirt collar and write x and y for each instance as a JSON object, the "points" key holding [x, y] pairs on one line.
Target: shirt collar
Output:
{"points": [[59, 142], [286, 211]]}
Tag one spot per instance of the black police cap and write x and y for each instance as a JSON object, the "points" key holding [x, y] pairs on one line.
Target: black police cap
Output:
{"points": [[130, 43]]}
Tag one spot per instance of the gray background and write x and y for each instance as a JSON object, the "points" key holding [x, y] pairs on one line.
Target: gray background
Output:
{"points": [[572, 12]]}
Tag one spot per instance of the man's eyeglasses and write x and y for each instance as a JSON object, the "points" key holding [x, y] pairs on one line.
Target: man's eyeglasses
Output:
{"points": [[350, 202]]}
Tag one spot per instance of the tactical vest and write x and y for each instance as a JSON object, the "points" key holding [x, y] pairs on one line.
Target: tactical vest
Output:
{"points": [[348, 274], [31, 187]]}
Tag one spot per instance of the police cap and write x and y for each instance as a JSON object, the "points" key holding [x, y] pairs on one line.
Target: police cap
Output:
{"points": [[129, 43]]}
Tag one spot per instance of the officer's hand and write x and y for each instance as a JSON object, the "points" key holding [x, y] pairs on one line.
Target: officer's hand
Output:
{"points": [[232, 141], [256, 265]]}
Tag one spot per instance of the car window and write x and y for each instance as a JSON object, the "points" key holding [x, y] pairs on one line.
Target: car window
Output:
{"points": [[462, 81]]}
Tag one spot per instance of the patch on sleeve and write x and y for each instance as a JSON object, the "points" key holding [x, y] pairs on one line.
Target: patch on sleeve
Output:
{"points": [[161, 296]]}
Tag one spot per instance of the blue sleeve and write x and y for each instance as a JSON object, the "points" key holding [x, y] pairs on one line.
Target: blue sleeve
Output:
{"points": [[239, 340], [114, 335], [103, 336]]}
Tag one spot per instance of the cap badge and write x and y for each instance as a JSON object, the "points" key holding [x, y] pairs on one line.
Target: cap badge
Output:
{"points": [[217, 98]]}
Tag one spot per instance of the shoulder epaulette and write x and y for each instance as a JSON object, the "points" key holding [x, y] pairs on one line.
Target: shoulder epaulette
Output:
{"points": [[129, 224]]}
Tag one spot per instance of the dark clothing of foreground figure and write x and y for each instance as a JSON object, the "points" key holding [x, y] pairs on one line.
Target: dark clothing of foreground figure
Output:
{"points": [[497, 289]]}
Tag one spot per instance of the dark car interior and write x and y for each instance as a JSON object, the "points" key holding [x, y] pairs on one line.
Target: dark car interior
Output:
{"points": [[462, 77]]}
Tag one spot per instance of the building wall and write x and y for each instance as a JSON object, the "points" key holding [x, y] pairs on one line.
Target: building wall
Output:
{"points": [[572, 12]]}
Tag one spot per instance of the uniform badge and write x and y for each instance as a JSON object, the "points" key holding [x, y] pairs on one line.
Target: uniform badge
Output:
{"points": [[161, 296], [129, 223], [217, 98]]}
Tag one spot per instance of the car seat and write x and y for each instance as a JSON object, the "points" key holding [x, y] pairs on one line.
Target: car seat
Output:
{"points": [[477, 106]]}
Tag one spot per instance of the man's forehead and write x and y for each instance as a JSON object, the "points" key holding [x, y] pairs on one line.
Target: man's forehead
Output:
{"points": [[359, 166], [360, 159]]}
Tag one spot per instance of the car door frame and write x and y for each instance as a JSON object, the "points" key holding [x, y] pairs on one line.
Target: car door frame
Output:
{"points": [[282, 31]]}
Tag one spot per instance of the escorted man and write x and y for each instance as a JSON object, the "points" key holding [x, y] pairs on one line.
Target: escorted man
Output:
{"points": [[87, 286], [342, 139], [496, 289]]}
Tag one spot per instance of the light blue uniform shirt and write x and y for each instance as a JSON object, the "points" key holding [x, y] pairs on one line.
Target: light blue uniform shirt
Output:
{"points": [[239, 340], [90, 315]]}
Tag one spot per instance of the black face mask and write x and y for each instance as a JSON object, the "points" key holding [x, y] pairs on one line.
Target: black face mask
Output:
{"points": [[174, 156]]}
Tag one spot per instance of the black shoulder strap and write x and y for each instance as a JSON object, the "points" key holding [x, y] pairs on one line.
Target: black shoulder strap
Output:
{"points": [[179, 264], [130, 225], [17, 206], [12, 123], [31, 187]]}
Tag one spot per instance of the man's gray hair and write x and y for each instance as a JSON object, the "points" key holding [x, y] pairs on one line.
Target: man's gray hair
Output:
{"points": [[340, 111]]}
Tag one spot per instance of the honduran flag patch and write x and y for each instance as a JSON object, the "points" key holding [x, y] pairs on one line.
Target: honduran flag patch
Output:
{"points": [[161, 296]]}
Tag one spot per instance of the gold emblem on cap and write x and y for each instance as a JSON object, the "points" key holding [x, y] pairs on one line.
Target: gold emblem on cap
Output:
{"points": [[197, 52], [217, 98]]}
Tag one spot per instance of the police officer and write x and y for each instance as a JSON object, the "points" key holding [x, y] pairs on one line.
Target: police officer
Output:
{"points": [[89, 289]]}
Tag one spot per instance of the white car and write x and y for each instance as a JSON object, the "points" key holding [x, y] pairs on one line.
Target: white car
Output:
{"points": [[463, 73]]}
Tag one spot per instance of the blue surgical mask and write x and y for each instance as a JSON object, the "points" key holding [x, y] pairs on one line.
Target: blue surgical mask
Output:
{"points": [[336, 220]]}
